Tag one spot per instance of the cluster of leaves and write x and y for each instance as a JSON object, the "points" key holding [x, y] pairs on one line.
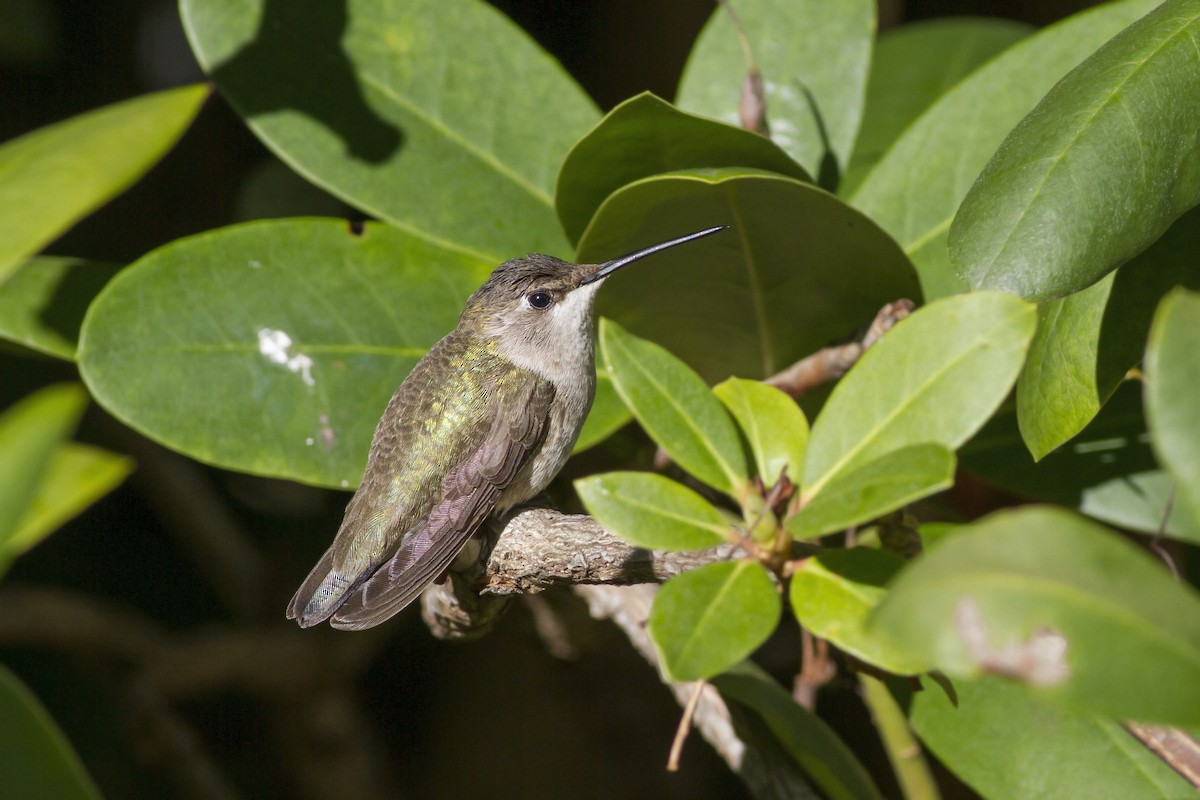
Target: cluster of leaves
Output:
{"points": [[1059, 167]]}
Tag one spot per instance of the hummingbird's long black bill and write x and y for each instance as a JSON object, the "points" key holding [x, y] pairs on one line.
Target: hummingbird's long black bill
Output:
{"points": [[609, 267]]}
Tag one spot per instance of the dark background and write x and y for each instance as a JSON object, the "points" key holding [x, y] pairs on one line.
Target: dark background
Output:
{"points": [[502, 715]]}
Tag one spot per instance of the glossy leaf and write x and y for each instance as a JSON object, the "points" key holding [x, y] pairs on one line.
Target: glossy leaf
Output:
{"points": [[651, 511], [913, 65], [646, 136], [43, 303], [1094, 174], [1003, 742], [54, 176], [772, 423], [799, 269], [864, 493], [1144, 502], [608, 415], [1113, 445], [833, 592], [1050, 598], [445, 119], [31, 431], [915, 190], [814, 58], [1087, 341], [1172, 389], [935, 378], [675, 407], [78, 475], [830, 764], [35, 759], [272, 347], [708, 619]]}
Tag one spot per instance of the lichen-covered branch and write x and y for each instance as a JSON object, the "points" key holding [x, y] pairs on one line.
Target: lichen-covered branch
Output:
{"points": [[538, 548]]}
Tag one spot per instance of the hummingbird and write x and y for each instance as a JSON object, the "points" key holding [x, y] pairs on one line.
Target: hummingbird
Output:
{"points": [[482, 423]]}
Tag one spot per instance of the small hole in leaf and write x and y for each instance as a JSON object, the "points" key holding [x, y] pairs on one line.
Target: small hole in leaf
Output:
{"points": [[357, 227]]}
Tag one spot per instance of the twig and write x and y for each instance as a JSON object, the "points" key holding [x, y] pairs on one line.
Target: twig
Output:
{"points": [[1180, 750], [831, 363], [685, 725]]}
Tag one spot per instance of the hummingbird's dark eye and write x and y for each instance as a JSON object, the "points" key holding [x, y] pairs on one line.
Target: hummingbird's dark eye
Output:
{"points": [[540, 299]]}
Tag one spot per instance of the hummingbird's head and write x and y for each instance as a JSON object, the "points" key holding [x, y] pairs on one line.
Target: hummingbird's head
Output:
{"points": [[540, 307]]}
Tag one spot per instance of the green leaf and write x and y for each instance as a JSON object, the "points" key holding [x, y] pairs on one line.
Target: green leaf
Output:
{"points": [[804, 736], [935, 378], [43, 303], [78, 475], [1087, 342], [272, 347], [35, 759], [653, 512], [445, 119], [645, 136], [1172, 389], [914, 191], [30, 434], [708, 619], [1003, 742], [54, 176], [1139, 502], [814, 58], [759, 297], [913, 66], [675, 407], [833, 592], [607, 416], [1050, 598], [1113, 445], [864, 493], [1094, 174], [772, 423]]}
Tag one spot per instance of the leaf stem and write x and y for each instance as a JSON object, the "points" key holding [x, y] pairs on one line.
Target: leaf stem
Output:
{"points": [[904, 752]]}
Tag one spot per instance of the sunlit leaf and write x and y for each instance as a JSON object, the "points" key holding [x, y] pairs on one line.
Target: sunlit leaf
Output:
{"points": [[651, 511], [875, 488], [54, 176], [1003, 742], [833, 592], [1087, 341], [772, 423], [935, 378], [1094, 174], [675, 407], [78, 475], [915, 190], [30, 434], [1047, 597], [708, 619]]}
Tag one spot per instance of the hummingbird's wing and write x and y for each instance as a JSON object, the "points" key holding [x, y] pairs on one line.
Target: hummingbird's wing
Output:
{"points": [[469, 492]]}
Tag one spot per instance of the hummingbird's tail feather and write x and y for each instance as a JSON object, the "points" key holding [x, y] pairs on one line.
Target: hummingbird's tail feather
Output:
{"points": [[321, 594], [401, 580]]}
